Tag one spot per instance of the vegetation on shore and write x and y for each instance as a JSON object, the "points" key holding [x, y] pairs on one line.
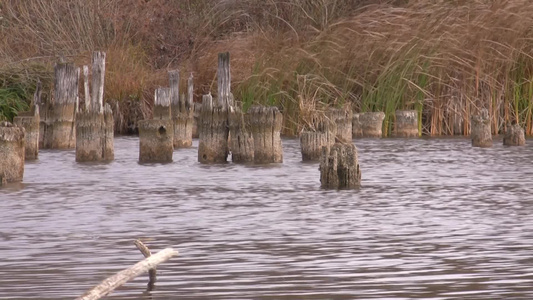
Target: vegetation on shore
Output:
{"points": [[445, 59]]}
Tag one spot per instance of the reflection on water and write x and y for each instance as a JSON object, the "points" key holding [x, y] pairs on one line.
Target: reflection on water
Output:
{"points": [[435, 219]]}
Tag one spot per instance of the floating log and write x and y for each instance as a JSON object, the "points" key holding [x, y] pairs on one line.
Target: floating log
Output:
{"points": [[11, 152], [339, 167], [162, 104], [59, 130], [266, 123], [241, 140], [320, 133], [481, 131], [182, 110], [406, 124], [113, 282], [372, 123], [357, 129], [155, 141], [214, 132], [30, 122], [514, 135], [343, 118], [94, 122]]}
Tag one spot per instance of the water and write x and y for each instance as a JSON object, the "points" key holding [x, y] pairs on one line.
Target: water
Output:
{"points": [[435, 219]]}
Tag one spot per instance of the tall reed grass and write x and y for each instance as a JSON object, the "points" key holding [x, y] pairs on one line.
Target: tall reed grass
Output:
{"points": [[445, 59]]}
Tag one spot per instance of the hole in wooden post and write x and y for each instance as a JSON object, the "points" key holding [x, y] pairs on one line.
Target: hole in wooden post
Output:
{"points": [[162, 130]]}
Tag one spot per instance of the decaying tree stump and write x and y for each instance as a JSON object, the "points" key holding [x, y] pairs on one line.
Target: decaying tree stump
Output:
{"points": [[321, 133], [214, 131], [59, 130], [182, 109], [94, 122], [481, 131], [241, 141], [406, 124], [372, 123], [30, 122], [339, 167], [514, 135], [343, 119], [11, 153], [266, 123], [357, 129]]}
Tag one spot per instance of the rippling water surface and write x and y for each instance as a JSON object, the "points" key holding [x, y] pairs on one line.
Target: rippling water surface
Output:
{"points": [[435, 219]]}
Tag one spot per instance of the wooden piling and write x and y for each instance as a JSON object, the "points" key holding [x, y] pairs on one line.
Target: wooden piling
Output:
{"points": [[12, 143], [182, 110], [59, 130], [155, 141], [30, 122], [196, 119], [213, 132], [372, 123], [241, 140], [481, 131], [357, 130], [339, 167], [406, 124], [514, 135], [94, 122], [224, 80], [266, 123], [320, 133], [343, 119], [162, 104]]}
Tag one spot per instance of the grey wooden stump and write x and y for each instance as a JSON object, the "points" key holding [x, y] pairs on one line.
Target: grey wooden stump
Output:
{"points": [[339, 167]]}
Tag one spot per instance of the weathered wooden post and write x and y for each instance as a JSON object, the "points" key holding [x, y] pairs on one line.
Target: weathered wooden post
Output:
{"points": [[11, 153], [182, 110], [514, 135], [241, 141], [30, 122], [196, 119], [156, 136], [60, 130], [357, 129], [94, 122], [372, 123], [224, 80], [343, 119], [266, 123], [320, 133], [481, 132], [214, 131], [339, 167], [406, 124]]}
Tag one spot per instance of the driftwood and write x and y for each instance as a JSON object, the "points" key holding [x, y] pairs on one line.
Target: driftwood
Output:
{"points": [[113, 282], [406, 124], [152, 273]]}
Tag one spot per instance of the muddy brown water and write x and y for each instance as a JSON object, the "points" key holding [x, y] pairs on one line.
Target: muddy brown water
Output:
{"points": [[435, 219]]}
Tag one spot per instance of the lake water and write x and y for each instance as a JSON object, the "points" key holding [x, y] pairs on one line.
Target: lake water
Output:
{"points": [[435, 219]]}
